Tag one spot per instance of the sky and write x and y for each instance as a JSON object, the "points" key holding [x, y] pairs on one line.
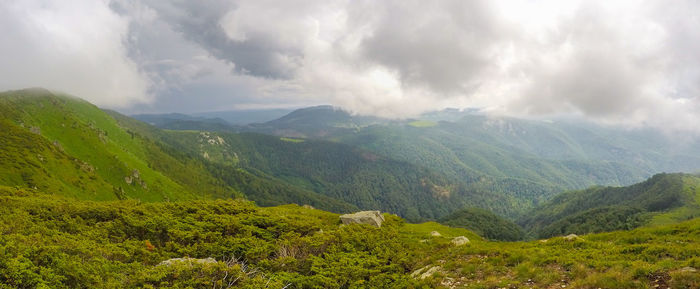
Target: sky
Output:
{"points": [[632, 63]]}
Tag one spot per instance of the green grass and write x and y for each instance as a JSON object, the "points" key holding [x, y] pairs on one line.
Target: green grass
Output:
{"points": [[422, 123], [294, 140], [49, 241], [107, 153]]}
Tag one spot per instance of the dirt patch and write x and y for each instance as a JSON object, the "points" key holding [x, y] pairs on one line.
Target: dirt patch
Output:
{"points": [[659, 280]]}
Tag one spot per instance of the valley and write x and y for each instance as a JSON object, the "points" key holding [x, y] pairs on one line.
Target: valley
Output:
{"points": [[94, 198]]}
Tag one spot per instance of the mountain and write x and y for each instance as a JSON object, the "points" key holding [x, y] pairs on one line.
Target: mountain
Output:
{"points": [[98, 155], [484, 223], [662, 199], [525, 162], [63, 144], [50, 241], [316, 122], [95, 199], [337, 171], [246, 116], [67, 146], [522, 156], [183, 121]]}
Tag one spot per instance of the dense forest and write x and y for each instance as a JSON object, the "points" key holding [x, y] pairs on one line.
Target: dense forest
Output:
{"points": [[484, 223], [658, 200]]}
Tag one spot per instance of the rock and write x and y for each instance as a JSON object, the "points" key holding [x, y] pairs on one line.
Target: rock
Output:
{"points": [[373, 218], [572, 237], [188, 260], [423, 241], [308, 207], [425, 272], [689, 269], [435, 234], [459, 241]]}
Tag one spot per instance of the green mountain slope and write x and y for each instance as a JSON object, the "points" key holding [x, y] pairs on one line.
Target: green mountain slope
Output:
{"points": [[484, 223], [115, 163], [336, 171], [554, 155], [68, 146], [663, 198], [49, 241]]}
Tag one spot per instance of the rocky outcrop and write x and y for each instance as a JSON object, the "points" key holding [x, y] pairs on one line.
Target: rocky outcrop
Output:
{"points": [[459, 241], [135, 178], [187, 260], [373, 218], [426, 272], [435, 234]]}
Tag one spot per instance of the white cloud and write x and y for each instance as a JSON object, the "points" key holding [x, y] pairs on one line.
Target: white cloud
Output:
{"points": [[72, 47], [624, 62]]}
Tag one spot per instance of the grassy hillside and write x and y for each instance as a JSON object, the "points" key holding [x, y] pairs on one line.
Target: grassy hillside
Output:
{"points": [[114, 163], [49, 241], [67, 146], [662, 199]]}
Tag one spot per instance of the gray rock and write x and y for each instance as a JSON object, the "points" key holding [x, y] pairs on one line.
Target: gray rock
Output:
{"points": [[435, 234], [187, 260], [459, 241], [373, 218]]}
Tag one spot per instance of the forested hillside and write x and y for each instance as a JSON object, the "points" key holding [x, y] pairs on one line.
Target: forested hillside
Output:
{"points": [[84, 152], [338, 171], [554, 155], [525, 161], [484, 223], [663, 198]]}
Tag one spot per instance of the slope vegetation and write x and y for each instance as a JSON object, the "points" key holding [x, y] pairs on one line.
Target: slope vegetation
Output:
{"points": [[67, 146], [663, 198], [49, 241], [484, 223], [113, 163]]}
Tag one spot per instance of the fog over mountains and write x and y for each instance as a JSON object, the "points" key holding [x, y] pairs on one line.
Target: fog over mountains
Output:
{"points": [[625, 62]]}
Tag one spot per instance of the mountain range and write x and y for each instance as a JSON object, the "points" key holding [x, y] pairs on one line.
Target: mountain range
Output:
{"points": [[127, 193]]}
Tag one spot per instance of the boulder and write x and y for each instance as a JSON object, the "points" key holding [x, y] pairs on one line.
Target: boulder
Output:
{"points": [[373, 218], [459, 241], [435, 234], [187, 260]]}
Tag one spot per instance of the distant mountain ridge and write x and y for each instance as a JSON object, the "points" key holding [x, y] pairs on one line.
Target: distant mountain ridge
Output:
{"points": [[527, 161]]}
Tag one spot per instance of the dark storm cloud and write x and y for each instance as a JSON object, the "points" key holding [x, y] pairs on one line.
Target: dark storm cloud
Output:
{"points": [[200, 22]]}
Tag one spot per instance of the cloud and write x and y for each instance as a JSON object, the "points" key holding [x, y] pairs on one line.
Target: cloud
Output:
{"points": [[623, 62], [74, 48]]}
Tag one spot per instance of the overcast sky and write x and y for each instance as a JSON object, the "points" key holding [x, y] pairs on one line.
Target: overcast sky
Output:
{"points": [[628, 62]]}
